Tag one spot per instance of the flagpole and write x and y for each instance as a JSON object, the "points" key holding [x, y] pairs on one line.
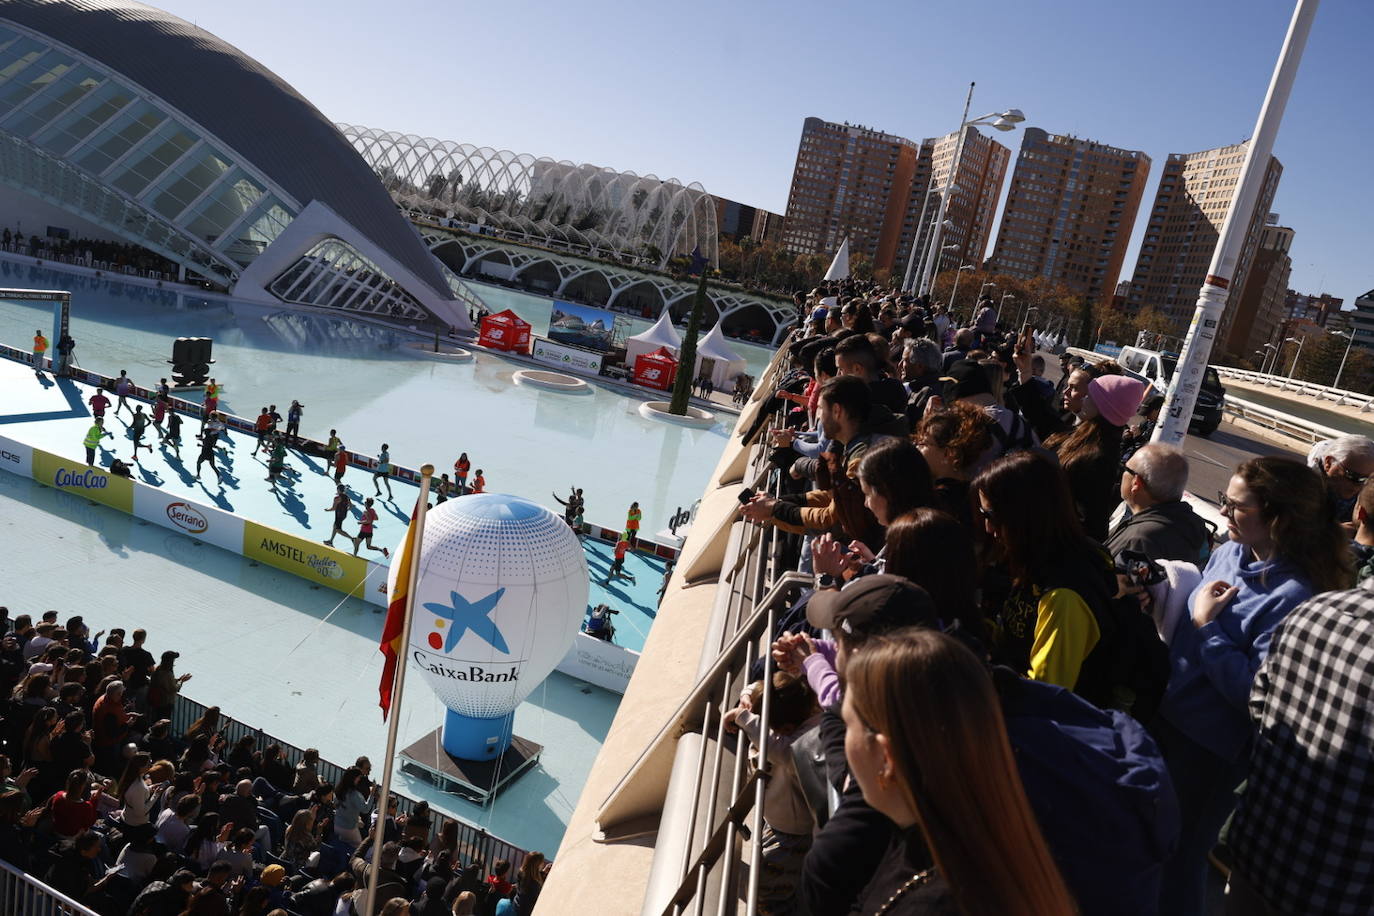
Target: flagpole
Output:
{"points": [[393, 725]]}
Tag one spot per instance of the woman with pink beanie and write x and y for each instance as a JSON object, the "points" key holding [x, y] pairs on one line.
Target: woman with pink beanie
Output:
{"points": [[1090, 453]]}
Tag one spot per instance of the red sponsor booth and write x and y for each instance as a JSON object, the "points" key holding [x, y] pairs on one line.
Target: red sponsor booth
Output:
{"points": [[505, 331], [655, 370]]}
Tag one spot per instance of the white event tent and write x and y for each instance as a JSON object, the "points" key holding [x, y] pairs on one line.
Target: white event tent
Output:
{"points": [[660, 334], [726, 363]]}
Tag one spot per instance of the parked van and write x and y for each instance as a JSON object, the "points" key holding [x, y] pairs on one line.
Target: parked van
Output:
{"points": [[1157, 367]]}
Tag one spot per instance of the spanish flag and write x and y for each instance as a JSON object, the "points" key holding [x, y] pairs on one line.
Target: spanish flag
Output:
{"points": [[396, 611]]}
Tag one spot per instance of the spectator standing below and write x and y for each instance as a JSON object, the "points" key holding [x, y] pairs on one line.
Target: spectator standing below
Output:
{"points": [[40, 350], [926, 742], [341, 507], [123, 387], [479, 483], [383, 471], [211, 403], [293, 421], [460, 473], [632, 520], [1284, 547], [261, 426], [1345, 464], [1160, 524], [1301, 838], [366, 528], [331, 448], [92, 440]]}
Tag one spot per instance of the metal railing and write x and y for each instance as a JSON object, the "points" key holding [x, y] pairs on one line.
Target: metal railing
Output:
{"points": [[23, 895], [474, 843], [1340, 396], [1280, 422]]}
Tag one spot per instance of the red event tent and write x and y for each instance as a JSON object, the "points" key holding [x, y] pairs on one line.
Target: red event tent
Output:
{"points": [[656, 369], [505, 331]]}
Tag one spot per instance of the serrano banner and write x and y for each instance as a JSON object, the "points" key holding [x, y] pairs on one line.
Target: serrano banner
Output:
{"points": [[16, 457], [307, 559], [76, 477], [197, 520]]}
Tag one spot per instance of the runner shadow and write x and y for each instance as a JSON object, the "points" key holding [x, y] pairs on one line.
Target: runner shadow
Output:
{"points": [[152, 478], [294, 506], [219, 499], [175, 463]]}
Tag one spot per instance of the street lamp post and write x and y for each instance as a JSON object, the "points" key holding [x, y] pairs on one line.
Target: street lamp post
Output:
{"points": [[1003, 121], [1351, 336], [1299, 341], [1197, 348], [1026, 319], [1005, 297], [957, 274], [1268, 358]]}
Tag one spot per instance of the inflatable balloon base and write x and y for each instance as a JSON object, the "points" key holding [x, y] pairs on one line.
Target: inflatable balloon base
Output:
{"points": [[477, 780], [470, 738]]}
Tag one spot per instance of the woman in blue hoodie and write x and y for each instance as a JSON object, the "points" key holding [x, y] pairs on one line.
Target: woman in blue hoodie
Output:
{"points": [[1285, 546]]}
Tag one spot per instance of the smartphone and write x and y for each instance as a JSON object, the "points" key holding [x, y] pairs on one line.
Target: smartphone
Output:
{"points": [[746, 495]]}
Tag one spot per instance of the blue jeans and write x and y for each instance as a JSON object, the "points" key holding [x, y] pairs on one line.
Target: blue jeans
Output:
{"points": [[1206, 786]]}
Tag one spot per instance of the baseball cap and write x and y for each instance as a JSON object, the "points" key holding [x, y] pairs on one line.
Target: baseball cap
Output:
{"points": [[968, 378], [819, 313], [879, 602]]}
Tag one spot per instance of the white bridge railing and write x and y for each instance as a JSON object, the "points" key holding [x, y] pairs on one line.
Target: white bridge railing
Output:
{"points": [[1340, 396], [1280, 422]]}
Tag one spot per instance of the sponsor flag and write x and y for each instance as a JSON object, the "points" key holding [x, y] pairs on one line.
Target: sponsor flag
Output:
{"points": [[396, 612]]}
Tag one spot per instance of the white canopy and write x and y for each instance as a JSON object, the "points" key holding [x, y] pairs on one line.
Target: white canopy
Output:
{"points": [[839, 267], [726, 363], [660, 334]]}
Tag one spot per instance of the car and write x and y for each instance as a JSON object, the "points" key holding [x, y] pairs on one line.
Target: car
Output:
{"points": [[1156, 368]]}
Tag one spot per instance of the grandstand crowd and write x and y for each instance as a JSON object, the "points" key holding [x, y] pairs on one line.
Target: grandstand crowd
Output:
{"points": [[1030, 678], [105, 802]]}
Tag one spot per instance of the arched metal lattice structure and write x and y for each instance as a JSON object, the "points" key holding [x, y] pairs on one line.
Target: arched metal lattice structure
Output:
{"points": [[591, 209]]}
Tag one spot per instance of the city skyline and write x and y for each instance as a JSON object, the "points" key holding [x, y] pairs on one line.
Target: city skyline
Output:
{"points": [[727, 111]]}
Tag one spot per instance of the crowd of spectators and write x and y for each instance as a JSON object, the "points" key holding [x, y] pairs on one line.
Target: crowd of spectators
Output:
{"points": [[1029, 677], [88, 251], [101, 800]]}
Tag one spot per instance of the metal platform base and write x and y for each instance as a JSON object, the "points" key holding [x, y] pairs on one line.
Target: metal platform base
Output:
{"points": [[476, 780]]}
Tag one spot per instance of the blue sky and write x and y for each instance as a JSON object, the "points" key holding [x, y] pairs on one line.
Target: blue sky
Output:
{"points": [[716, 91]]}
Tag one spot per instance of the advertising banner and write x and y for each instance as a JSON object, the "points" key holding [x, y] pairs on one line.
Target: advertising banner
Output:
{"points": [[569, 359], [75, 477], [599, 663], [16, 457], [197, 520], [307, 559], [581, 325]]}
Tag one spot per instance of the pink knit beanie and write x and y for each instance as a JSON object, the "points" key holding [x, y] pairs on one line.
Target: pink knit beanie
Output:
{"points": [[1116, 397]]}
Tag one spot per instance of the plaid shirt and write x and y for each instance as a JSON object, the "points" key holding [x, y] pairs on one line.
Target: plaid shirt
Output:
{"points": [[1304, 830]]}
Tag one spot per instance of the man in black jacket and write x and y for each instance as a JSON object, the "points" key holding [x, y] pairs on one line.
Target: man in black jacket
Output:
{"points": [[1160, 524]]}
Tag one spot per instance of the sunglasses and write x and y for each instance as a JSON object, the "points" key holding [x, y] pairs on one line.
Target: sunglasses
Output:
{"points": [[1228, 505], [1351, 476]]}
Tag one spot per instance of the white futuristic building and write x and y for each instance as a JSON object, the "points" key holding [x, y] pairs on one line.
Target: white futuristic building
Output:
{"points": [[588, 209], [160, 134]]}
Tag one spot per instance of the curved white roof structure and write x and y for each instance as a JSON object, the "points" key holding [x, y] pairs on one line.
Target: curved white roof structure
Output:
{"points": [[166, 136], [591, 207]]}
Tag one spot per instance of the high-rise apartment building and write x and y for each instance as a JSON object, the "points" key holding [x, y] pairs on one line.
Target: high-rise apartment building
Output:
{"points": [[869, 186], [1261, 308], [1317, 308], [849, 182], [1070, 211], [972, 205], [1195, 192]]}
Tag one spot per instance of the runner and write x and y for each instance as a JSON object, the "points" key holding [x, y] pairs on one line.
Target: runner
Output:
{"points": [[617, 570], [479, 483], [383, 471], [99, 403], [632, 525], [276, 463], [93, 437], [159, 412], [293, 421], [40, 348], [208, 440], [137, 428], [260, 427], [341, 507], [365, 529], [123, 386], [460, 473], [331, 448], [340, 463], [173, 433], [163, 391]]}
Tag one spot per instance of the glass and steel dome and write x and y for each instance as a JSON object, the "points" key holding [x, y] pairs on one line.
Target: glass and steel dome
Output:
{"points": [[587, 207], [162, 133]]}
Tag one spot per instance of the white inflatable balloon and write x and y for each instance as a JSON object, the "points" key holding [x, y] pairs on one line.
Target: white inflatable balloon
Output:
{"points": [[502, 589]]}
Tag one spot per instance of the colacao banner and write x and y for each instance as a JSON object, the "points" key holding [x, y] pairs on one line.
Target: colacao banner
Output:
{"points": [[307, 559], [189, 517], [76, 477], [15, 457]]}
